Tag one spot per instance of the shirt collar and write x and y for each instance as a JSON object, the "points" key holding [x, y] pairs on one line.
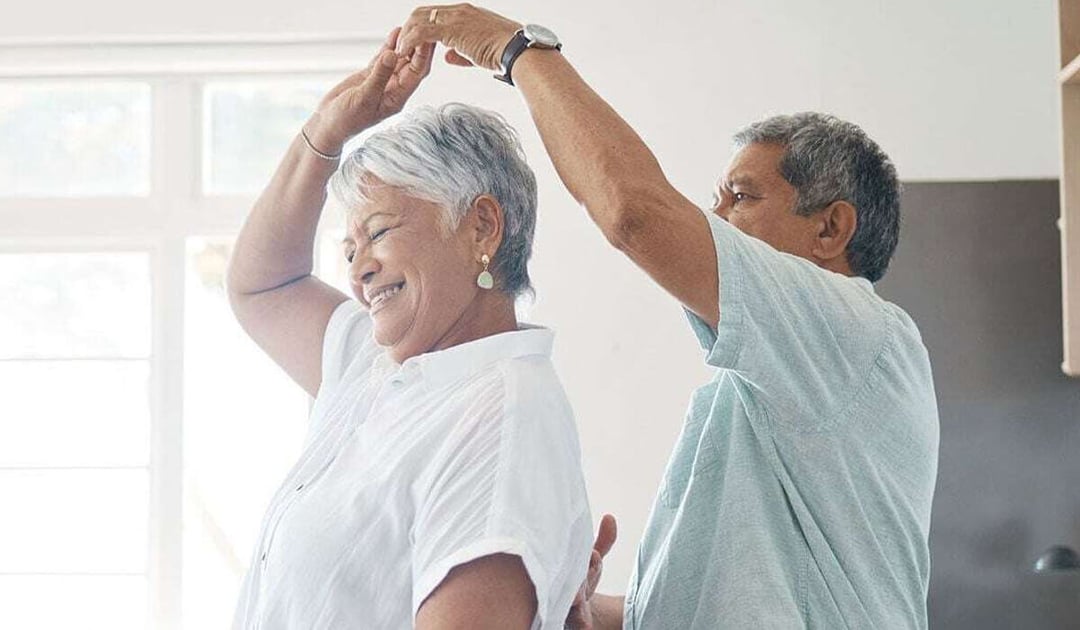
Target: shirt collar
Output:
{"points": [[443, 367]]}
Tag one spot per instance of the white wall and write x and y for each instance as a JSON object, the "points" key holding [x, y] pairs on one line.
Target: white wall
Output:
{"points": [[952, 90]]}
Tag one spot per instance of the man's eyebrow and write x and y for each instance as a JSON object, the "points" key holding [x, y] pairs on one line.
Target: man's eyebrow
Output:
{"points": [[741, 180]]}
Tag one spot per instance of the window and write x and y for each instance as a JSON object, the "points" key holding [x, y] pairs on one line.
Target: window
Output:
{"points": [[141, 432], [74, 139], [248, 126]]}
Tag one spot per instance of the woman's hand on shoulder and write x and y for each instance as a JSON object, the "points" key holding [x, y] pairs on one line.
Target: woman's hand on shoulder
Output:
{"points": [[369, 96]]}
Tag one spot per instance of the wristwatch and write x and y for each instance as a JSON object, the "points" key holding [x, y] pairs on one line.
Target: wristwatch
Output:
{"points": [[531, 36]]}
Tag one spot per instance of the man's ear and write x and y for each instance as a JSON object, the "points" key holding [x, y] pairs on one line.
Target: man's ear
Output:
{"points": [[836, 225], [486, 217]]}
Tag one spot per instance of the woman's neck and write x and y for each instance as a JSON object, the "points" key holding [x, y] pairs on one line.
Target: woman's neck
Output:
{"points": [[491, 313]]}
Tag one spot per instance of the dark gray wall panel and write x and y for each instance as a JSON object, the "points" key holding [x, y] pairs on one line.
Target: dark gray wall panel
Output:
{"points": [[978, 268]]}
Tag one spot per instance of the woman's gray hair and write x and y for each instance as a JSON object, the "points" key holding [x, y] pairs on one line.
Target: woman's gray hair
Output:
{"points": [[827, 159], [451, 155]]}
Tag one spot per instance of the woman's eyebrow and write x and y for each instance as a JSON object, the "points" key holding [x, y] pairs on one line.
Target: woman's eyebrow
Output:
{"points": [[363, 225], [373, 215]]}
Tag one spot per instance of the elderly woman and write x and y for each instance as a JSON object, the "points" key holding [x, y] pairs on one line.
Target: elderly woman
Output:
{"points": [[440, 485]]}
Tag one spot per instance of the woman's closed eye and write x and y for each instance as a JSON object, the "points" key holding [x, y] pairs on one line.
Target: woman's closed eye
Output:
{"points": [[377, 234]]}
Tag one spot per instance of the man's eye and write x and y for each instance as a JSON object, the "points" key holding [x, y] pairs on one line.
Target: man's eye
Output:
{"points": [[349, 255], [378, 234], [740, 197]]}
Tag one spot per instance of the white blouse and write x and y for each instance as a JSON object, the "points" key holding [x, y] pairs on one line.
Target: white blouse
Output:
{"points": [[410, 470]]}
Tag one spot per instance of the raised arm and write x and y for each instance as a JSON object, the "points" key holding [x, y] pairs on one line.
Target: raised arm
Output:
{"points": [[601, 160], [278, 302]]}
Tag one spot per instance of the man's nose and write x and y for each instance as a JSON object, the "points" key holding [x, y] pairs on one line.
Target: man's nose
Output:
{"points": [[723, 209]]}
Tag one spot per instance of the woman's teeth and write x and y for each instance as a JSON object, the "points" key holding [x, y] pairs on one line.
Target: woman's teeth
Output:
{"points": [[385, 295]]}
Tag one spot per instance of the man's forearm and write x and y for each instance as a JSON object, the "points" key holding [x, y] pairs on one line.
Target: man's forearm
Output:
{"points": [[602, 161], [607, 612]]}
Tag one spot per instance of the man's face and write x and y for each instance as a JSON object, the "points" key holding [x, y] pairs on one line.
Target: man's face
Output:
{"points": [[753, 196]]}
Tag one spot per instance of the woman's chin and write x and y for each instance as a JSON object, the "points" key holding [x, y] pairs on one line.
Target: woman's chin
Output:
{"points": [[394, 340], [384, 337]]}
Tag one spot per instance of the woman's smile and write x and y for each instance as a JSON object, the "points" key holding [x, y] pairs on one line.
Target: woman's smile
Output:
{"points": [[378, 298]]}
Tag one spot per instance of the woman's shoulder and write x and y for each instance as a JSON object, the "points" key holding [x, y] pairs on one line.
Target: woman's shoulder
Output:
{"points": [[348, 345]]}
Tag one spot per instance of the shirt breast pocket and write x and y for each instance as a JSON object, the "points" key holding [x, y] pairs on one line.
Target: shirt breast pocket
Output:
{"points": [[696, 455]]}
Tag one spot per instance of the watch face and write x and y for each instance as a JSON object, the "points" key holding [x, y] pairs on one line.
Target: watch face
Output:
{"points": [[541, 36]]}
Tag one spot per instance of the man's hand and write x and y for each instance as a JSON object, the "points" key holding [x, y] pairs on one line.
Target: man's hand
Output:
{"points": [[581, 613], [474, 36], [369, 96]]}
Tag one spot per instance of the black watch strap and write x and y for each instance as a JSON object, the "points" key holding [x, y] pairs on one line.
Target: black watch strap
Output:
{"points": [[517, 45]]}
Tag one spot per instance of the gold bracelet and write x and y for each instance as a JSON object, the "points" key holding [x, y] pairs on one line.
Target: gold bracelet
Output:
{"points": [[325, 156]]}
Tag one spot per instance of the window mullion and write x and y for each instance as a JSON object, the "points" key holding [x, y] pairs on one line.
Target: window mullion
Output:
{"points": [[173, 140]]}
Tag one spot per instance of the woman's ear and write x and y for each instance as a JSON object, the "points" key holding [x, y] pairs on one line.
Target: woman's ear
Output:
{"points": [[486, 224], [836, 226]]}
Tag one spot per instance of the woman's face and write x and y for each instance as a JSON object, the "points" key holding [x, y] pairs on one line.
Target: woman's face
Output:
{"points": [[417, 281]]}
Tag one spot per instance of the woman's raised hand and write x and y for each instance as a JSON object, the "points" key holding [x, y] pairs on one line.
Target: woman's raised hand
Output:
{"points": [[369, 96]]}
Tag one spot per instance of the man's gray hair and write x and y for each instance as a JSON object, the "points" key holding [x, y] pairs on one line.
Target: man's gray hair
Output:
{"points": [[451, 155], [827, 159]]}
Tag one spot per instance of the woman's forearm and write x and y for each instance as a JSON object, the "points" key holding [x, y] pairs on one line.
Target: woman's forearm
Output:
{"points": [[275, 246]]}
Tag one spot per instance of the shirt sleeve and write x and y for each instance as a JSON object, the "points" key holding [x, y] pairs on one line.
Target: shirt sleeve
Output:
{"points": [[348, 345], [804, 337], [508, 480], [347, 332]]}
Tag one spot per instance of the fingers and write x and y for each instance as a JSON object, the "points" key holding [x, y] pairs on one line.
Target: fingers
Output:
{"points": [[392, 38], [596, 561], [415, 35], [420, 63], [454, 58], [388, 44], [605, 537], [408, 76], [357, 78], [380, 74], [580, 615], [419, 29]]}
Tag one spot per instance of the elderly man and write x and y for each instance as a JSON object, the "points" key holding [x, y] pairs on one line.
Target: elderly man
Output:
{"points": [[799, 492]]}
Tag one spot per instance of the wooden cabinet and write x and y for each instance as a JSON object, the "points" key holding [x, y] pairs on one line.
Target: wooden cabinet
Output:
{"points": [[1069, 223]]}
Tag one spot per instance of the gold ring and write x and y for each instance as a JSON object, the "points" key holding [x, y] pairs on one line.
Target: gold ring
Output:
{"points": [[434, 16]]}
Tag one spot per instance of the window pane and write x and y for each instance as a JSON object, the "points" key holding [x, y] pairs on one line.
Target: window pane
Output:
{"points": [[66, 521], [74, 413], [244, 423], [248, 127], [49, 602], [74, 139], [67, 305]]}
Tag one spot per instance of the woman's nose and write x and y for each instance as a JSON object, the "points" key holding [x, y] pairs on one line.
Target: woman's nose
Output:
{"points": [[363, 268]]}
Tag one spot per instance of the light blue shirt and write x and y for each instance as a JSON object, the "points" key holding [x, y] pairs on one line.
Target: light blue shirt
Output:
{"points": [[799, 492]]}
